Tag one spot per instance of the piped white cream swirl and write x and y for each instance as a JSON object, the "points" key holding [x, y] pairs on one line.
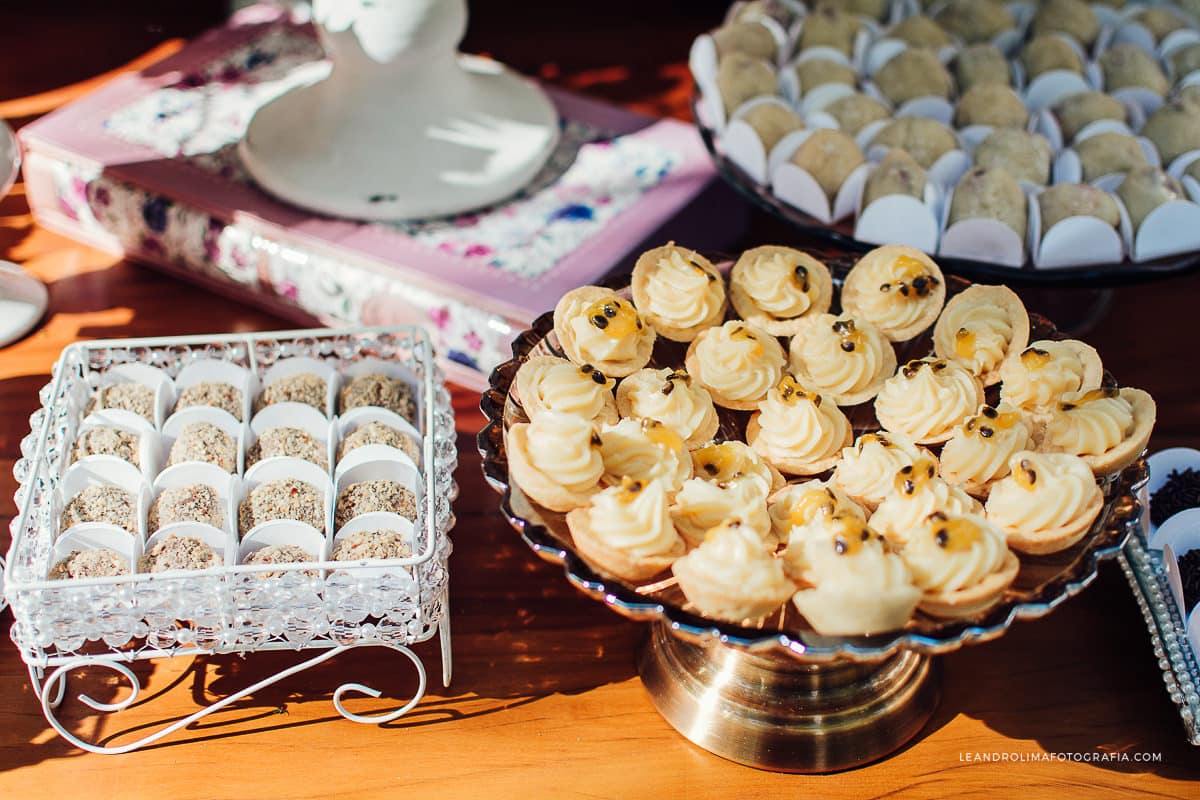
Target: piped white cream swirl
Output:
{"points": [[671, 397], [867, 469], [618, 340], [563, 386], [900, 513], [896, 291], [732, 561], [644, 450], [840, 355], [1041, 374], [737, 361], [635, 522], [723, 461], [798, 505], [927, 398], [844, 552], [981, 335], [980, 448], [561, 447], [1044, 491], [701, 505], [683, 293], [954, 552], [770, 282], [799, 425], [1089, 423]]}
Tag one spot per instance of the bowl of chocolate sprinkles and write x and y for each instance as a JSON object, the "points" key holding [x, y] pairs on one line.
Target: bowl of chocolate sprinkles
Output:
{"points": [[1179, 492]]}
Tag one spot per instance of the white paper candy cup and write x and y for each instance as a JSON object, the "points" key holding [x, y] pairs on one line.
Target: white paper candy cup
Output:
{"points": [[375, 366], [1050, 87], [175, 424], [377, 521], [93, 535], [149, 442], [376, 462], [298, 365], [190, 473], [283, 531], [294, 415], [796, 187], [1074, 241], [1179, 544], [1161, 465], [222, 542], [900, 219], [146, 375], [820, 98], [277, 469], [982, 239], [106, 471], [355, 418], [211, 370], [742, 144]]}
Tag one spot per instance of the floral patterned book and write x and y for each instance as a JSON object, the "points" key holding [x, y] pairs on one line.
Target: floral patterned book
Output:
{"points": [[147, 167]]}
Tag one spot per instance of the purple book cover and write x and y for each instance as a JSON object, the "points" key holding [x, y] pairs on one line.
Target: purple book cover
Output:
{"points": [[146, 167]]}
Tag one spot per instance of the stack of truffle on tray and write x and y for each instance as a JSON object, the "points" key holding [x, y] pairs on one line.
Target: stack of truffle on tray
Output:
{"points": [[222, 467], [666, 460], [1052, 134]]}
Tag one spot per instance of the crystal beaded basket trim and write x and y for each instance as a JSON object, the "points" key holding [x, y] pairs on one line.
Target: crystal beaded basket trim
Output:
{"points": [[1052, 579], [331, 606]]}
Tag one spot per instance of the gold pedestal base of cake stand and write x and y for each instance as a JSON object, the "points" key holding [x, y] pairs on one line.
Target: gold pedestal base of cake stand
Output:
{"points": [[775, 712]]}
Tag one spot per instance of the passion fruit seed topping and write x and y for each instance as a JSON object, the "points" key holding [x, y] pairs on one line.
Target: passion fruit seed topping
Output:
{"points": [[661, 435], [588, 371], [867, 438], [800, 277], [964, 343], [727, 525], [956, 534], [852, 534], [792, 392], [1025, 475], [1091, 396], [596, 441], [989, 420], [678, 376], [912, 278], [616, 317], [852, 337], [1035, 358], [911, 478], [744, 334], [630, 488], [718, 461], [810, 504], [913, 367]]}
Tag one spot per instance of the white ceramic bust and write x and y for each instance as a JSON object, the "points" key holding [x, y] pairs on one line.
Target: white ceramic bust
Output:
{"points": [[404, 126]]}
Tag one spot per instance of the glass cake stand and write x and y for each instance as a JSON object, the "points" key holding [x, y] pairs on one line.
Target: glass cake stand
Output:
{"points": [[780, 696]]}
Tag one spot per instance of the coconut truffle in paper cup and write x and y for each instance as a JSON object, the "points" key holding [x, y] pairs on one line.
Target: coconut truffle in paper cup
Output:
{"points": [[282, 542], [216, 384], [1174, 129], [284, 488], [751, 38], [1071, 17], [365, 427], [897, 288], [771, 122], [814, 72], [197, 502], [95, 562], [183, 546], [1025, 156], [372, 537], [775, 287], [289, 430], [898, 173], [856, 111], [1145, 189], [103, 489], [595, 326], [1049, 53], [990, 194], [975, 21], [374, 495], [106, 440], [381, 391], [741, 77], [678, 292], [1066, 200], [1128, 66], [980, 64], [136, 398], [1076, 111], [991, 104], [914, 73], [99, 503], [926, 140], [297, 380], [203, 441], [829, 156], [828, 26]]}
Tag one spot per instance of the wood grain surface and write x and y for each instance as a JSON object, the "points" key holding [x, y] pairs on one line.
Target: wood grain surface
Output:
{"points": [[545, 700]]}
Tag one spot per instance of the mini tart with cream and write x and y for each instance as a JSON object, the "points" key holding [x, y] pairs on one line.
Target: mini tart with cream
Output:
{"points": [[1047, 503], [738, 363], [855, 584], [555, 459], [645, 450], [977, 454], [867, 469], [1035, 378], [627, 530], [596, 326], [731, 576], [918, 493], [548, 383], [897, 288], [927, 398], [842, 357], [700, 505], [979, 327], [797, 431], [1107, 427], [798, 505], [679, 292], [723, 461], [961, 564], [775, 287], [674, 399]]}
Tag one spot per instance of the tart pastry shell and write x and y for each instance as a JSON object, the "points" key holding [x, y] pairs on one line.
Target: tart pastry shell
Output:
{"points": [[971, 600], [820, 297], [978, 294], [613, 560], [613, 368], [643, 272], [536, 484]]}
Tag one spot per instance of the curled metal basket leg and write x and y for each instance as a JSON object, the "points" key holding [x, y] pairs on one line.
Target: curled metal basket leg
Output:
{"points": [[52, 690]]}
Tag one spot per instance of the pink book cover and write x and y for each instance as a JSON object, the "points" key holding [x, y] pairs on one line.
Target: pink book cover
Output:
{"points": [[146, 167]]}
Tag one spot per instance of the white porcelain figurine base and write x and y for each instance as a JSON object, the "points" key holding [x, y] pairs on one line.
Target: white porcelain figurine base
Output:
{"points": [[404, 127], [23, 298]]}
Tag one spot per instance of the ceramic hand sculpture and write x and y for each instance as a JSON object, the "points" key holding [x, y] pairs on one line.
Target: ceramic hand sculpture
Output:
{"points": [[404, 126]]}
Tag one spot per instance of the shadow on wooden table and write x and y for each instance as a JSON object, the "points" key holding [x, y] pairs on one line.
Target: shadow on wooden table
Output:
{"points": [[1068, 706]]}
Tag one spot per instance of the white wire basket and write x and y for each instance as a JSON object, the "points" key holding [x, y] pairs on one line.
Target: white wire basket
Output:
{"points": [[328, 606]]}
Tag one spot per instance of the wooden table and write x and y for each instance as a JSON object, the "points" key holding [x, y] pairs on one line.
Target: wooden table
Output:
{"points": [[545, 700]]}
